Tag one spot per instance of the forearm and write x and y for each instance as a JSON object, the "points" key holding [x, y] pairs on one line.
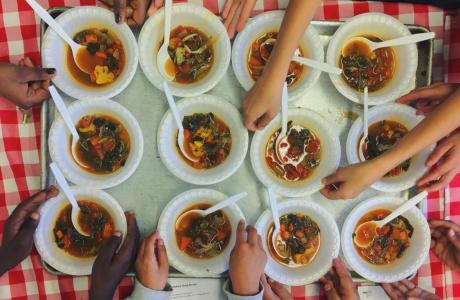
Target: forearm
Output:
{"points": [[297, 18]]}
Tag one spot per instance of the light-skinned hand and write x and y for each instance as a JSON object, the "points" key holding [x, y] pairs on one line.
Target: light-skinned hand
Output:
{"points": [[235, 14], [273, 290], [111, 266], [445, 242], [338, 283], [406, 290], [24, 84], [152, 267], [19, 229], [132, 12], [247, 261], [426, 99]]}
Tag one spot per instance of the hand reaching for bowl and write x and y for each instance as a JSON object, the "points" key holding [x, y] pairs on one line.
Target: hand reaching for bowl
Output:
{"points": [[405, 289], [338, 283], [133, 12], [426, 99], [247, 261], [235, 14], [445, 242], [111, 266], [19, 229], [23, 84], [152, 265], [274, 290], [444, 164]]}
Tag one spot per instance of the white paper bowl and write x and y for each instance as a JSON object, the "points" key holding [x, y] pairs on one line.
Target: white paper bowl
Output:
{"points": [[403, 267], [405, 115], [310, 43], [167, 140], [185, 14], [330, 153], [328, 250], [384, 27], [44, 236], [59, 144], [181, 261], [54, 52]]}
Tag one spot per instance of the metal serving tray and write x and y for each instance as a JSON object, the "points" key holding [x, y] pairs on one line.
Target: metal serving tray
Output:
{"points": [[152, 186]]}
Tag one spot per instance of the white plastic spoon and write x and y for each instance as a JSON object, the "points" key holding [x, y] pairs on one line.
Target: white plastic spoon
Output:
{"points": [[317, 65], [284, 121], [405, 40], [163, 58], [62, 182], [178, 118], [276, 221], [202, 213], [77, 49], [62, 108], [365, 124], [371, 226]]}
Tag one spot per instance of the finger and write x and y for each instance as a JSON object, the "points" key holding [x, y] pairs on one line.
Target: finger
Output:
{"points": [[245, 14], [103, 5], [264, 120], [141, 251], [391, 291], [107, 2], [441, 183], [444, 224], [27, 74], [137, 16], [156, 4], [343, 274], [408, 284], [454, 239], [252, 235], [162, 254], [108, 251], [129, 247], [436, 172], [232, 26], [441, 149], [119, 7], [240, 233], [28, 62], [327, 283], [333, 178], [400, 287], [21, 62], [28, 227], [150, 243], [279, 290], [226, 8], [231, 13], [423, 93]]}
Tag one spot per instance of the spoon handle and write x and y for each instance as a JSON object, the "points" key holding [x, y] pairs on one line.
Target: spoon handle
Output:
{"points": [[274, 208], [225, 203], [317, 65], [62, 108], [284, 109], [62, 182], [173, 106], [168, 6], [48, 19], [365, 111], [408, 39], [403, 208]]}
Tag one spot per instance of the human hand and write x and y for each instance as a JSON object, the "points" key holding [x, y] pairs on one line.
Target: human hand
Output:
{"points": [[426, 99], [405, 289], [348, 182], [274, 290], [132, 12], [444, 163], [23, 84], [338, 283], [247, 261], [445, 242], [235, 14], [19, 229], [111, 266], [152, 265]]}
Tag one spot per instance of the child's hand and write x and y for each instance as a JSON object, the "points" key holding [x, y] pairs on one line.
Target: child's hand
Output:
{"points": [[274, 290], [348, 182], [444, 163], [338, 283], [130, 11], [445, 242], [247, 261], [152, 265], [405, 289], [426, 99], [235, 14]]}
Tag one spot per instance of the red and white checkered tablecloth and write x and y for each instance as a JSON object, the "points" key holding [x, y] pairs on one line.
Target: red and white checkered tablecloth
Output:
{"points": [[20, 143]]}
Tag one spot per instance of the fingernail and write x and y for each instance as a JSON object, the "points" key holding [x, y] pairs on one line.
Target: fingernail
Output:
{"points": [[51, 188], [117, 233], [269, 280], [35, 215], [49, 70], [131, 212], [161, 242], [117, 17], [451, 232]]}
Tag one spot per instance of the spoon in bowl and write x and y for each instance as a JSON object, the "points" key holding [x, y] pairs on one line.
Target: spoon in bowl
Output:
{"points": [[62, 182], [276, 220], [78, 51], [324, 67], [178, 119], [164, 61], [62, 108], [365, 124], [203, 213], [371, 46], [284, 120], [365, 233]]}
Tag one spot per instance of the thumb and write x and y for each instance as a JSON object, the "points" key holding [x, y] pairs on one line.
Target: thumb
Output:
{"points": [[36, 74], [27, 229], [452, 236]]}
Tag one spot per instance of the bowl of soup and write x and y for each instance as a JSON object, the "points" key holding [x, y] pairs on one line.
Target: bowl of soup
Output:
{"points": [[58, 242], [109, 149], [387, 125], [252, 49], [109, 57], [302, 251], [396, 251], [214, 138], [309, 152], [199, 49], [199, 246], [387, 72]]}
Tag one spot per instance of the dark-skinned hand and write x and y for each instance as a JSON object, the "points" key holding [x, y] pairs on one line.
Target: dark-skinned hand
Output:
{"points": [[19, 229], [445, 242], [133, 12], [111, 266], [338, 283], [23, 84], [273, 290], [406, 290]]}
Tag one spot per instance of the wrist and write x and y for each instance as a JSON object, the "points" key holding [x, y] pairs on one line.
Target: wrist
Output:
{"points": [[244, 288], [3, 265], [100, 294]]}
